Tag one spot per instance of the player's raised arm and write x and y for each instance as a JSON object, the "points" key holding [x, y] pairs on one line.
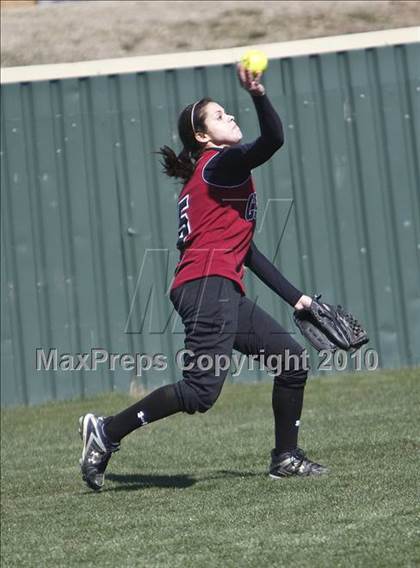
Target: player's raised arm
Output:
{"points": [[235, 162], [272, 135]]}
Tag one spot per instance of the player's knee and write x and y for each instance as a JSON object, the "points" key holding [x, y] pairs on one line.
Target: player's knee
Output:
{"points": [[208, 397], [294, 372], [201, 403], [196, 399], [292, 379]]}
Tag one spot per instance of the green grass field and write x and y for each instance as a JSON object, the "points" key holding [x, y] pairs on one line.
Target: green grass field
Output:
{"points": [[192, 491]]}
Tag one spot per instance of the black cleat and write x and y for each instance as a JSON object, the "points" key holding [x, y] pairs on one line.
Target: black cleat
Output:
{"points": [[294, 462], [97, 450]]}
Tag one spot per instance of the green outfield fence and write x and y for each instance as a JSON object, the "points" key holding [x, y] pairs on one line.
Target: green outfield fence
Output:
{"points": [[89, 223]]}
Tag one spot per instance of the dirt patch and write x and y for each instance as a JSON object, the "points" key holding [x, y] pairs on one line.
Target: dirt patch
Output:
{"points": [[79, 31]]}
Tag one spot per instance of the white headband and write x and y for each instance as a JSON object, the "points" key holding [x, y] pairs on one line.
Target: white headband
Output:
{"points": [[192, 116]]}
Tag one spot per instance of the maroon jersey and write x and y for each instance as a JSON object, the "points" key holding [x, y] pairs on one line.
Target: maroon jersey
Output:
{"points": [[216, 226]]}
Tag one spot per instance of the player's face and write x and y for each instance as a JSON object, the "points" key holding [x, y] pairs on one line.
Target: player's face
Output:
{"points": [[221, 128]]}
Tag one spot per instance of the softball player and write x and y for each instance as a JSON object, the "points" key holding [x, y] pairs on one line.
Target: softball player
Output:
{"points": [[217, 216]]}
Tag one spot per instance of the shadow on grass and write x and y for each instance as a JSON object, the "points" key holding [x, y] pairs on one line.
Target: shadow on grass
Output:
{"points": [[136, 481]]}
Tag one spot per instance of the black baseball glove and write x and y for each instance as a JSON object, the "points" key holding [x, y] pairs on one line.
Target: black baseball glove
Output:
{"points": [[330, 327]]}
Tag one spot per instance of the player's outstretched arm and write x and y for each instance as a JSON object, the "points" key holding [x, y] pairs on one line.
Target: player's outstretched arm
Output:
{"points": [[274, 279]]}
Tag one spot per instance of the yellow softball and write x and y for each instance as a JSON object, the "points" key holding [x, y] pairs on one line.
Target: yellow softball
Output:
{"points": [[255, 60]]}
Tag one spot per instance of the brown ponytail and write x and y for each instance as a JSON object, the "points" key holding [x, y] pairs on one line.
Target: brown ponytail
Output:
{"points": [[191, 120]]}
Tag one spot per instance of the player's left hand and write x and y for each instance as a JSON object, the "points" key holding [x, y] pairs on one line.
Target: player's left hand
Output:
{"points": [[303, 302], [250, 81], [329, 327]]}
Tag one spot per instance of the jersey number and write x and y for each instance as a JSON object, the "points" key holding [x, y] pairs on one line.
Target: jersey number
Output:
{"points": [[184, 223]]}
